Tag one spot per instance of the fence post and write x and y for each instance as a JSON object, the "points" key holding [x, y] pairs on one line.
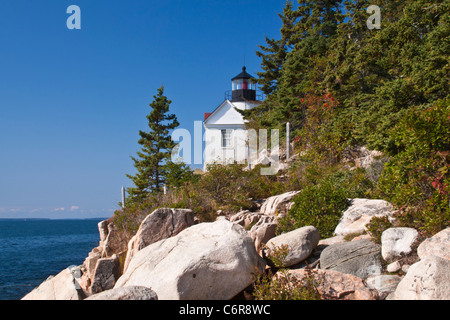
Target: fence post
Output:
{"points": [[123, 197], [288, 144]]}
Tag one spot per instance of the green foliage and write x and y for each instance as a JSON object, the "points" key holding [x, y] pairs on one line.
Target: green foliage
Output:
{"points": [[283, 285], [319, 205], [376, 75], [274, 53], [376, 227], [277, 255], [320, 138], [232, 188], [156, 149], [177, 174], [322, 202], [417, 178]]}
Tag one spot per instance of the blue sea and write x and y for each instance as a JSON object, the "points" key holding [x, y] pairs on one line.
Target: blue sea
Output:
{"points": [[32, 250]]}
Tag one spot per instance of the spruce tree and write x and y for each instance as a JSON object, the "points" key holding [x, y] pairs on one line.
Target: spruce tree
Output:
{"points": [[303, 70], [274, 53], [156, 149]]}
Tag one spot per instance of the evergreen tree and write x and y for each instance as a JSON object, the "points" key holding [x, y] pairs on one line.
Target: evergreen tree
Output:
{"points": [[274, 54], [156, 149], [178, 173], [272, 58], [303, 71]]}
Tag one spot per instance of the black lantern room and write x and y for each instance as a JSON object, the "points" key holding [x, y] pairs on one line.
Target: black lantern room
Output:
{"points": [[243, 89]]}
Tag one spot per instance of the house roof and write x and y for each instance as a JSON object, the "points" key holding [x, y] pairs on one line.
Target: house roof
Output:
{"points": [[209, 114], [232, 116], [243, 75]]}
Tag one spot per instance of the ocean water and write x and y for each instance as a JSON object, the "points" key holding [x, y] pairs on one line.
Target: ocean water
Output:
{"points": [[32, 250]]}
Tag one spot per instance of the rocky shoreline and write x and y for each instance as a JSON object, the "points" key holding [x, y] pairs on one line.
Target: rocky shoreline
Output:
{"points": [[173, 257]]}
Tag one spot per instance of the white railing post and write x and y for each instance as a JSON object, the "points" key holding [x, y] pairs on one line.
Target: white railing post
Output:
{"points": [[288, 143], [123, 197]]}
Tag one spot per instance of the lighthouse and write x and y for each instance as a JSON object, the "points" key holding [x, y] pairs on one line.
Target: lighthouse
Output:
{"points": [[225, 134], [243, 89]]}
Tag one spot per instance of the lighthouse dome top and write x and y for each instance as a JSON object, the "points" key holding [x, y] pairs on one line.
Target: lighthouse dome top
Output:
{"points": [[243, 75]]}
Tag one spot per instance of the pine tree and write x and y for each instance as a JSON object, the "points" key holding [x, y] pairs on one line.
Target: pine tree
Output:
{"points": [[156, 149], [274, 54], [303, 71]]}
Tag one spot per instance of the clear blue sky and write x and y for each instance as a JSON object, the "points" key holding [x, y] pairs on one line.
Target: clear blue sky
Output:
{"points": [[72, 101]]}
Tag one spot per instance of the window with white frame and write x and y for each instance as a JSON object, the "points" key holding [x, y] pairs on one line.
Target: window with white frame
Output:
{"points": [[226, 138]]}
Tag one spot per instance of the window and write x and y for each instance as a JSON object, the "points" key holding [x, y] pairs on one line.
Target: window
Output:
{"points": [[237, 84], [226, 138]]}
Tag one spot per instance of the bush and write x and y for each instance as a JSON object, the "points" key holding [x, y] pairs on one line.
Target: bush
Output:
{"points": [[177, 174], [232, 188], [282, 285], [376, 227], [417, 178], [321, 204]]}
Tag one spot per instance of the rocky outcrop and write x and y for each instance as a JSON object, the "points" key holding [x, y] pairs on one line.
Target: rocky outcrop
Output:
{"points": [[384, 284], [171, 257], [334, 285], [428, 279], [115, 243], [206, 261], [438, 245], [397, 242], [359, 214], [246, 218], [360, 258], [263, 231], [263, 224], [63, 286], [126, 293], [278, 205], [110, 252], [300, 243], [90, 263], [361, 156], [106, 273], [161, 224]]}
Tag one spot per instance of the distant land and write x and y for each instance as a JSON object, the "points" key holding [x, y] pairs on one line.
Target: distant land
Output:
{"points": [[46, 219]]}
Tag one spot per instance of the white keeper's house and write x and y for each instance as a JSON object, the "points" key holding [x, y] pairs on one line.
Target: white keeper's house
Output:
{"points": [[225, 134]]}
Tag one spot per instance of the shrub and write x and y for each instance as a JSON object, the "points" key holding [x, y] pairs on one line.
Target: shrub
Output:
{"points": [[376, 227], [321, 204], [178, 173], [417, 178], [282, 285], [233, 188]]}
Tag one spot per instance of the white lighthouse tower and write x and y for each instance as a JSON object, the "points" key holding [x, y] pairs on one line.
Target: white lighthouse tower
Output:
{"points": [[225, 134]]}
